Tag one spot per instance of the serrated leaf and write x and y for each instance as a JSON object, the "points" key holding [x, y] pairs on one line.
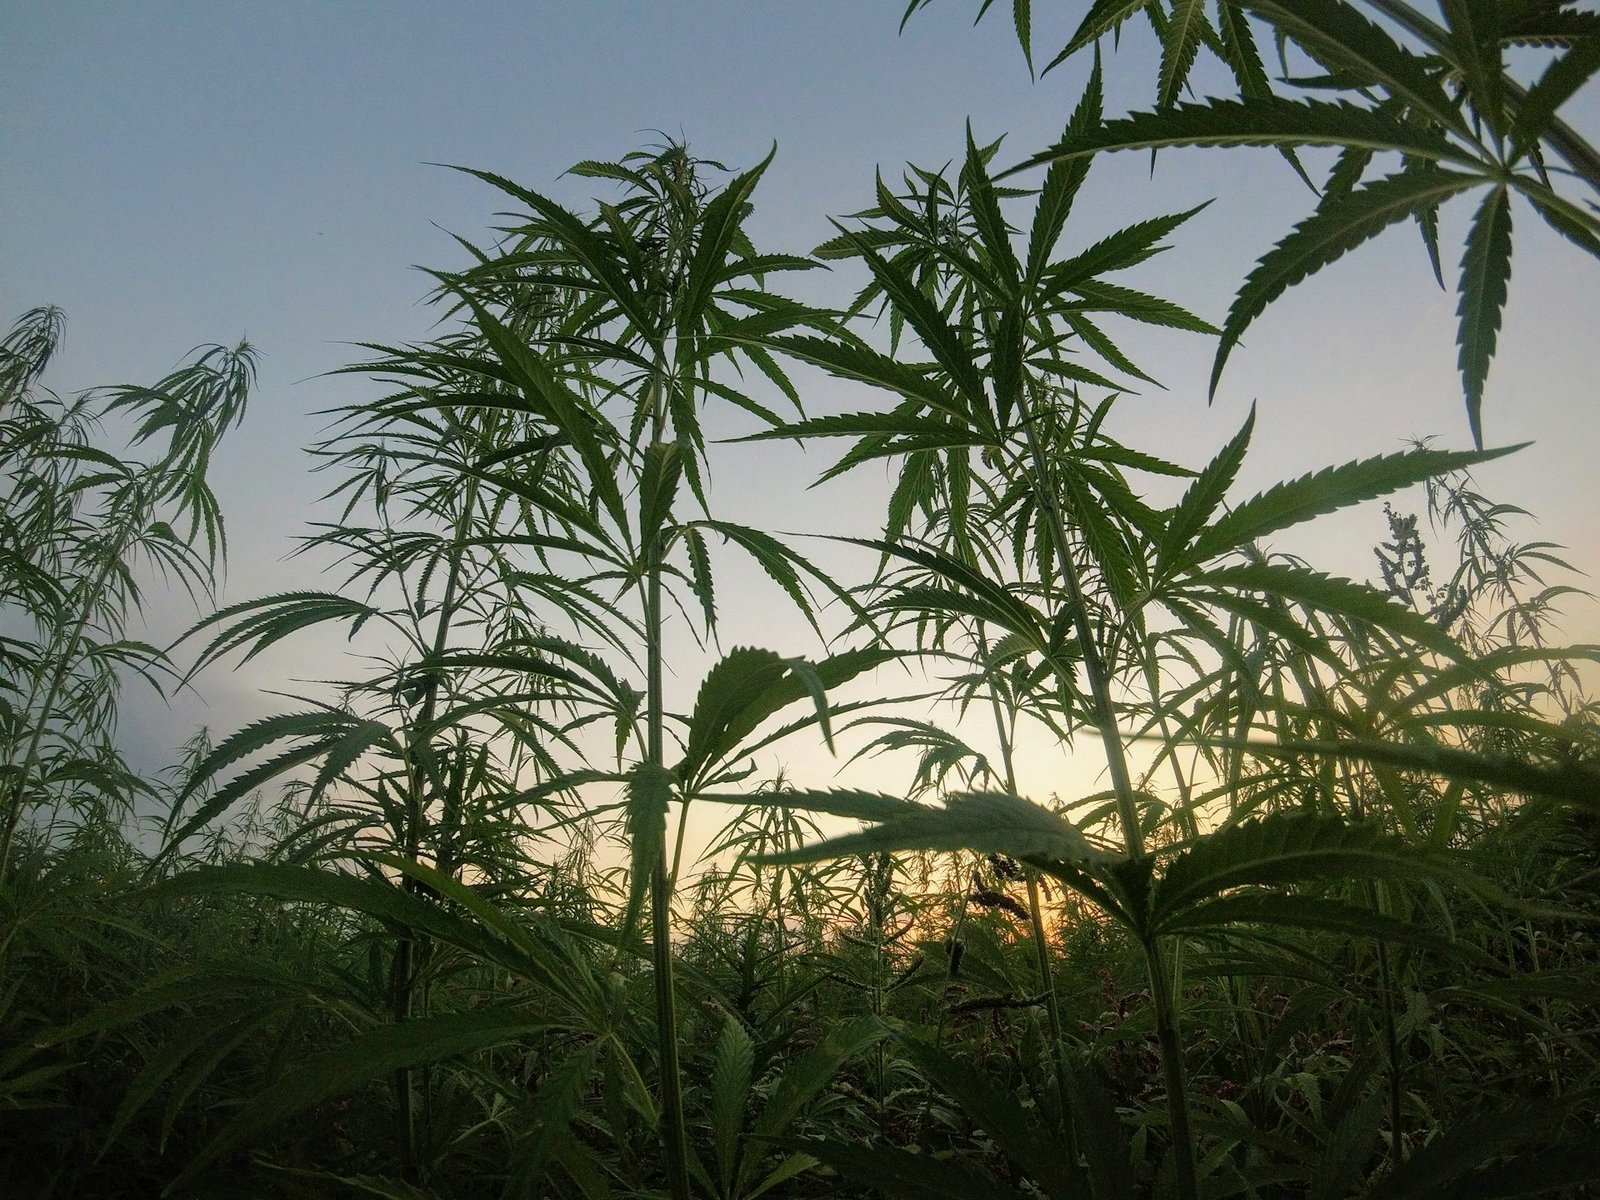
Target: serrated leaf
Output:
{"points": [[1572, 782], [997, 1113], [986, 822], [1185, 30], [1103, 17], [1194, 511], [1322, 593], [750, 685], [1335, 229], [813, 1071], [650, 788], [1335, 33], [1259, 121], [1485, 274], [1328, 490], [1273, 851], [733, 1060], [719, 227]]}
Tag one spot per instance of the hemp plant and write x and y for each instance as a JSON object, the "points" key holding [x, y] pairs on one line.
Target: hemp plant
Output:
{"points": [[81, 528], [588, 347], [1094, 579]]}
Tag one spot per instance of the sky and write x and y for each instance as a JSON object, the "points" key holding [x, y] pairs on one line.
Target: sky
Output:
{"points": [[173, 174]]}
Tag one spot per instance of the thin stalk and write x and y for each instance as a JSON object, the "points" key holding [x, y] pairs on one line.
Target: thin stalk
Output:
{"points": [[1103, 711], [1391, 1036], [92, 588], [1185, 811], [1041, 947], [1127, 810], [1172, 1068], [411, 950], [674, 1131]]}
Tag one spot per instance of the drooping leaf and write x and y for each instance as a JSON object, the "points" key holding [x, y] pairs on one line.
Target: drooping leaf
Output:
{"points": [[1273, 851], [650, 788], [1336, 228], [1337, 34], [1485, 273], [1280, 582], [1259, 121], [1572, 782], [1185, 29], [986, 822]]}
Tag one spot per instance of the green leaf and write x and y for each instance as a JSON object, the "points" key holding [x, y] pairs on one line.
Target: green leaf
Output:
{"points": [[1336, 228], [587, 246], [556, 1104], [986, 822], [1062, 181], [838, 802], [1485, 273], [1274, 851], [1102, 18], [373, 897], [1336, 34], [943, 341], [902, 1173], [1560, 82], [1568, 219], [1185, 30], [650, 788], [1259, 121], [269, 620], [1022, 21], [993, 234], [1571, 782], [1126, 248], [785, 567], [658, 486], [1239, 51], [733, 1061], [316, 733], [1328, 490], [734, 697], [990, 599], [858, 361], [1098, 295], [719, 227], [997, 1113], [813, 1071], [1281, 582], [1277, 909], [568, 411], [1194, 512]]}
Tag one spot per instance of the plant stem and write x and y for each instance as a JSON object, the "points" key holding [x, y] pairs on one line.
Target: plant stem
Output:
{"points": [[91, 589], [1041, 947], [674, 1132], [1104, 715], [1172, 1069]]}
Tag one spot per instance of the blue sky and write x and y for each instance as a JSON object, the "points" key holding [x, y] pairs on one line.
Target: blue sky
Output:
{"points": [[172, 174]]}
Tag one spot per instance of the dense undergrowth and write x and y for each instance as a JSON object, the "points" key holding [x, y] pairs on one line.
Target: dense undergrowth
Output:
{"points": [[1329, 931]]}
